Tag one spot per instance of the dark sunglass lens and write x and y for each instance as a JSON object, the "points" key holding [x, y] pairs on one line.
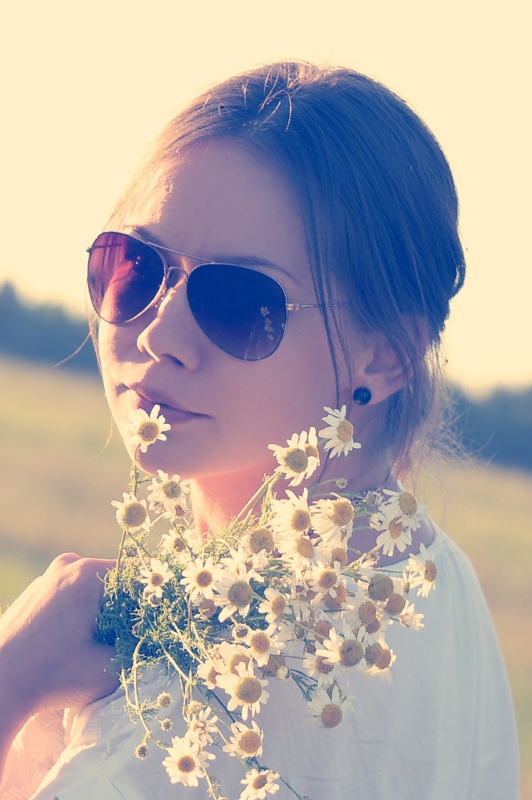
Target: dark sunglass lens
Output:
{"points": [[124, 276], [241, 310]]}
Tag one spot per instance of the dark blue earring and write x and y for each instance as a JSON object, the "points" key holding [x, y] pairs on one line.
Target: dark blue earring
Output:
{"points": [[362, 395]]}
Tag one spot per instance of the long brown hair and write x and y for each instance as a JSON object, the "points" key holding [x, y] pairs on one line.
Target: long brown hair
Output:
{"points": [[378, 203]]}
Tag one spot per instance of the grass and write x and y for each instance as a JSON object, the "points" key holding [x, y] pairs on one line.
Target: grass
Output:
{"points": [[58, 478]]}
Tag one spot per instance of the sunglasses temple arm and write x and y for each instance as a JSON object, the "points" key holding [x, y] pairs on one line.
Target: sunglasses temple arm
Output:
{"points": [[299, 306]]}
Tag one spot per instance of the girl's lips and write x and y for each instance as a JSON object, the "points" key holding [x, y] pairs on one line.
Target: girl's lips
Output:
{"points": [[172, 414]]}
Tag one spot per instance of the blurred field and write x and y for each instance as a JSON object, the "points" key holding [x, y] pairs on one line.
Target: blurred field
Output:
{"points": [[57, 482]]}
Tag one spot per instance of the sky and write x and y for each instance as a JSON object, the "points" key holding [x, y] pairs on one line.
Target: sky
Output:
{"points": [[87, 86]]}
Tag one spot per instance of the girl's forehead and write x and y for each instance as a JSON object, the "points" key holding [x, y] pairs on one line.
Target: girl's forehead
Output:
{"points": [[218, 200]]}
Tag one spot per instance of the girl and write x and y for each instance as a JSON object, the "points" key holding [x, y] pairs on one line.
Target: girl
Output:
{"points": [[317, 196]]}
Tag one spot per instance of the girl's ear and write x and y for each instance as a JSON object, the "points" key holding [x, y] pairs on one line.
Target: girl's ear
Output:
{"points": [[380, 369]]}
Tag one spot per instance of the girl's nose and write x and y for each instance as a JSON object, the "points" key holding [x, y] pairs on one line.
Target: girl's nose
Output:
{"points": [[172, 331]]}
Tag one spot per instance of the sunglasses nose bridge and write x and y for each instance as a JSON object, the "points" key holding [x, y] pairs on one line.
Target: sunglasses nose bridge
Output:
{"points": [[173, 277]]}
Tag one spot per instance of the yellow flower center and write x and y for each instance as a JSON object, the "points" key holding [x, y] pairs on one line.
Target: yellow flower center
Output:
{"points": [[395, 527], [295, 459], [345, 431], [278, 605], [240, 594], [207, 608], [350, 653], [171, 489], [385, 660], [148, 431], [342, 513], [211, 677], [260, 642], [407, 503], [335, 603], [204, 578], [249, 742], [300, 520], [312, 451], [331, 716], [248, 690], [374, 626], [304, 547], [156, 579], [272, 666], [260, 781], [430, 571], [340, 555], [380, 587], [367, 612], [240, 631], [235, 660], [186, 764], [327, 578], [178, 544], [133, 514], [261, 539], [374, 653], [396, 603], [322, 666], [322, 628]]}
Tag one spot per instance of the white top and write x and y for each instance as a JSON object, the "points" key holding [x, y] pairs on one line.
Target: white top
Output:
{"points": [[443, 729]]}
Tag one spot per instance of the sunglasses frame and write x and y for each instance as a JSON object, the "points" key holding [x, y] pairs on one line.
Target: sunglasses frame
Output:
{"points": [[164, 286]]}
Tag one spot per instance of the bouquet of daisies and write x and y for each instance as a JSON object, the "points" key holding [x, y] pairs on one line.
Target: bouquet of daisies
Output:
{"points": [[276, 595]]}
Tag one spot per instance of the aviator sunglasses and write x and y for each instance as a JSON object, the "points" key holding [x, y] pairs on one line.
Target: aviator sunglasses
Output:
{"points": [[241, 310]]}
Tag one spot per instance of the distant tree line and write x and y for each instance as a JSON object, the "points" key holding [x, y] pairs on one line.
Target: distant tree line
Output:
{"points": [[497, 428], [43, 333]]}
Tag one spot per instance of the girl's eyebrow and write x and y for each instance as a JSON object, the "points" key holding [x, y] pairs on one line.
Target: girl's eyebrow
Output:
{"points": [[240, 260]]}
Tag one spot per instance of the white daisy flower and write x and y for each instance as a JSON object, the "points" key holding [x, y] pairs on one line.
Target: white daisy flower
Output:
{"points": [[177, 544], [245, 742], [423, 571], [333, 519], [257, 541], [208, 672], [171, 493], [146, 428], [328, 707], [339, 433], [200, 578], [274, 606], [232, 656], [132, 513], [186, 761], [325, 578], [202, 726], [393, 532], [291, 516], [404, 503], [321, 669], [300, 459], [234, 593], [263, 644], [343, 648], [379, 659], [155, 577], [259, 783], [410, 619], [363, 611], [240, 558], [245, 689]]}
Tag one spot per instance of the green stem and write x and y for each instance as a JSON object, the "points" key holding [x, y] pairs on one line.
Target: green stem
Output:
{"points": [[134, 670]]}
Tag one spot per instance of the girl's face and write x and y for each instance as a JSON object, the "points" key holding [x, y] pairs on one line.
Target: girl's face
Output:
{"points": [[222, 204]]}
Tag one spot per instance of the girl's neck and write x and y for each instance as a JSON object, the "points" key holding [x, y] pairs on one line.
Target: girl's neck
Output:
{"points": [[219, 498]]}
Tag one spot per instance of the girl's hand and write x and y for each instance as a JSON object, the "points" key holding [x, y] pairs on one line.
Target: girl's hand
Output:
{"points": [[48, 657]]}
